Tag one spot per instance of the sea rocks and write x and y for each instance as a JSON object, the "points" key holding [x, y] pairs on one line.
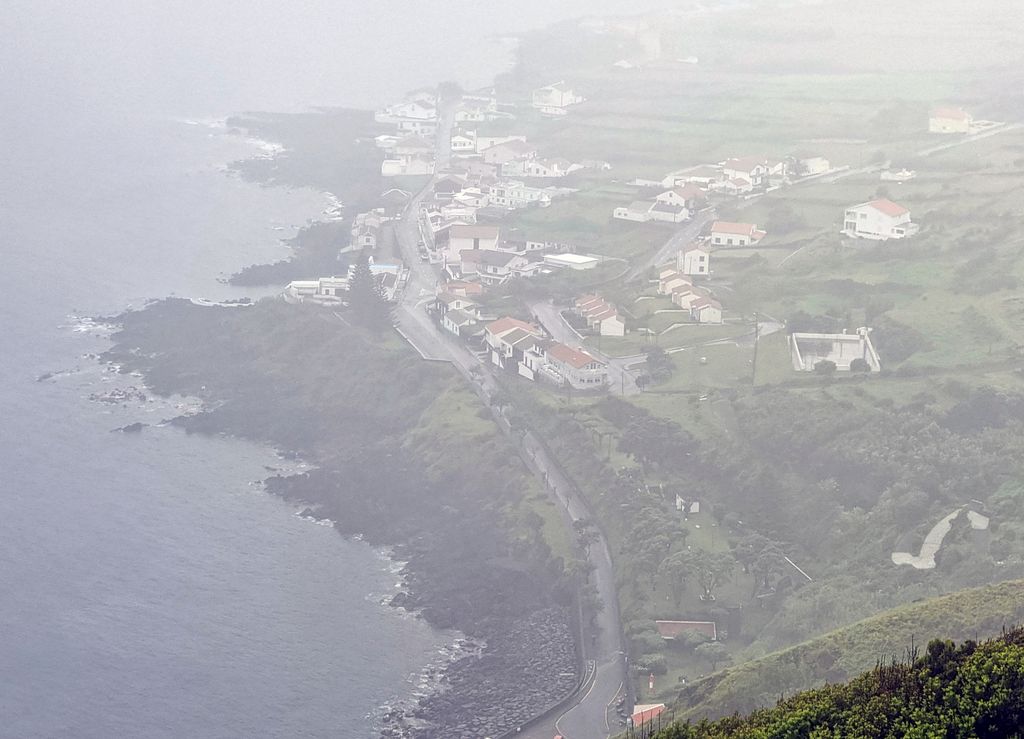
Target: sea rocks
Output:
{"points": [[132, 428], [121, 395]]}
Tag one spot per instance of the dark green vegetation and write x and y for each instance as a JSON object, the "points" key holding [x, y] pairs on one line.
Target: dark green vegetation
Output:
{"points": [[970, 690], [403, 458]]}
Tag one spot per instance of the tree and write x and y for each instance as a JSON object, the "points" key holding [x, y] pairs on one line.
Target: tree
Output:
{"points": [[691, 640], [711, 569], [825, 367], [365, 299], [860, 365], [659, 363], [714, 652]]}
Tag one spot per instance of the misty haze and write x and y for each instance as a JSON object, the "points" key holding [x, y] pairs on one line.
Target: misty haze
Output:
{"points": [[572, 370]]}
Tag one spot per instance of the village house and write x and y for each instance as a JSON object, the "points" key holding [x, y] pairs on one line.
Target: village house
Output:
{"points": [[600, 315], [422, 109], [460, 322], [575, 367], [735, 186], [688, 196], [463, 142], [486, 142], [446, 301], [502, 336], [366, 229], [949, 120], [462, 287], [509, 151], [455, 239], [669, 630], [726, 233], [751, 169], [670, 278], [472, 197], [493, 267], [705, 309], [879, 220], [448, 185], [513, 194], [548, 168], [639, 211], [555, 99], [695, 261]]}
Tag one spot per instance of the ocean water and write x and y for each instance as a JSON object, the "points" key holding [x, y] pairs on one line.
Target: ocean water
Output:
{"points": [[148, 586]]}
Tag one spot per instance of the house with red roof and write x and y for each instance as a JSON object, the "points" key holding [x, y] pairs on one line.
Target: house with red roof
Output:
{"points": [[669, 630], [879, 220], [575, 367], [947, 119], [726, 233], [600, 315]]}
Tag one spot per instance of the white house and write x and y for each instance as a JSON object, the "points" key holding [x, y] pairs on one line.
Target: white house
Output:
{"points": [[576, 367], [695, 261], [600, 315], [726, 233], [670, 279], [549, 168], [455, 239], [458, 322], [949, 120], [879, 220], [689, 196], [486, 142], [751, 169], [421, 110], [639, 211], [509, 151], [706, 309], [555, 99], [463, 142], [513, 194]]}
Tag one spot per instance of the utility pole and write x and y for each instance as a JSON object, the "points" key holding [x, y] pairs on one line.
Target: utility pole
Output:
{"points": [[757, 330]]}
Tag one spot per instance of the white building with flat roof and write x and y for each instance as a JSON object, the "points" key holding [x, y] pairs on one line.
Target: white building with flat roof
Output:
{"points": [[571, 261]]}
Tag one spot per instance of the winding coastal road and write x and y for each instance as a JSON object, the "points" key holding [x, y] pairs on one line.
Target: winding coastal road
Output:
{"points": [[591, 713]]}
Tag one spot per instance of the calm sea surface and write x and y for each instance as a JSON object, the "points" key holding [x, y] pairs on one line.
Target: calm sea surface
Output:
{"points": [[147, 587]]}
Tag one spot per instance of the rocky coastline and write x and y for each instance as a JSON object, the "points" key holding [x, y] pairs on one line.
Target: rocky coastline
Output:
{"points": [[382, 476]]}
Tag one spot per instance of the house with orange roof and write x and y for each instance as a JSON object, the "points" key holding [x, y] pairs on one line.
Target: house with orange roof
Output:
{"points": [[575, 367], [879, 220], [947, 119], [727, 233], [600, 315]]}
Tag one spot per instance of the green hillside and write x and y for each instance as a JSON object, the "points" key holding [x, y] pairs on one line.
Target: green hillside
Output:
{"points": [[842, 654], [974, 690]]}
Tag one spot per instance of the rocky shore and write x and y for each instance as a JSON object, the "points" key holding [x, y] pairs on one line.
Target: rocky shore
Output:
{"points": [[386, 471]]}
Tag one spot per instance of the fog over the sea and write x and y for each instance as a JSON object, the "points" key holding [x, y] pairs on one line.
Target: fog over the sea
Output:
{"points": [[190, 57]]}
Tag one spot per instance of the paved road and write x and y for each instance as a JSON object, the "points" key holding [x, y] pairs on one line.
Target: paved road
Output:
{"points": [[621, 380], [689, 232], [587, 718]]}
